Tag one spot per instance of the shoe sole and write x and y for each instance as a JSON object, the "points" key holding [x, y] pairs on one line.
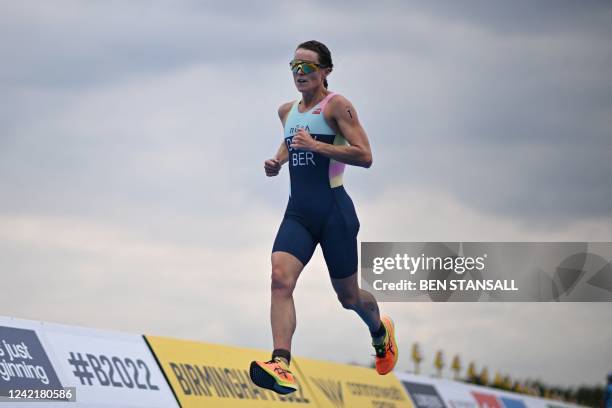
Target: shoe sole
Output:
{"points": [[394, 342], [392, 335], [263, 379]]}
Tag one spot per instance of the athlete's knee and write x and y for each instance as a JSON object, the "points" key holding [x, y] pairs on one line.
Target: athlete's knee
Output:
{"points": [[349, 300], [283, 282]]}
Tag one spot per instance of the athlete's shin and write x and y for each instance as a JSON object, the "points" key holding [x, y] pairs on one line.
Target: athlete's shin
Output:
{"points": [[369, 311], [282, 317], [282, 310]]}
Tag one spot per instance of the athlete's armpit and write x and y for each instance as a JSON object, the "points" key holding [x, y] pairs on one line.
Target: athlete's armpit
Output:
{"points": [[283, 111]]}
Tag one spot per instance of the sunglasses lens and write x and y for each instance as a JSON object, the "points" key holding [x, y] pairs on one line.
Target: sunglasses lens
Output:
{"points": [[306, 67]]}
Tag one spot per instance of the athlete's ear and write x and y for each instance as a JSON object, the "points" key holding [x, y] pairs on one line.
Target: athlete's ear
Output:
{"points": [[326, 72]]}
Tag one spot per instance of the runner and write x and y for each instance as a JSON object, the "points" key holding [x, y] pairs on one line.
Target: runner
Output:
{"points": [[322, 134]]}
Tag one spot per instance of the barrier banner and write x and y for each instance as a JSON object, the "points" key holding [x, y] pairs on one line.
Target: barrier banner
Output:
{"points": [[346, 386], [453, 394], [486, 400], [104, 369], [24, 363], [457, 394], [512, 402], [509, 399], [424, 395], [110, 369], [210, 375]]}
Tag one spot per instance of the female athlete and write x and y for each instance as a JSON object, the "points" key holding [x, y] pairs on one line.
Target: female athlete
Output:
{"points": [[322, 135]]}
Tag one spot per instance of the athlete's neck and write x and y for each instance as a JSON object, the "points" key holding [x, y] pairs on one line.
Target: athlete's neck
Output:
{"points": [[309, 99]]}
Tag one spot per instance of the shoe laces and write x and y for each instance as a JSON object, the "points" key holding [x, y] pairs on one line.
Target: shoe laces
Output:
{"points": [[278, 366]]}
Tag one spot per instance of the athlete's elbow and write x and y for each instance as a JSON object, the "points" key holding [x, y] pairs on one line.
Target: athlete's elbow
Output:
{"points": [[367, 161]]}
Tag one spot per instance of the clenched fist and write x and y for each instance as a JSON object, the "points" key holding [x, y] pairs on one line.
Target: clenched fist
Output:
{"points": [[272, 167]]}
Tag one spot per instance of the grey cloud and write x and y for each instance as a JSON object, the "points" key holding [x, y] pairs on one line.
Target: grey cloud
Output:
{"points": [[463, 88], [519, 17], [82, 45], [534, 183]]}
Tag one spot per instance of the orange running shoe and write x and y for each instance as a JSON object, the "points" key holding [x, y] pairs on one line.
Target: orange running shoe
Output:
{"points": [[273, 375], [386, 353]]}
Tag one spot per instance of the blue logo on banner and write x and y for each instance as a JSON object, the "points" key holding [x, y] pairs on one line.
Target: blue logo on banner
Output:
{"points": [[513, 403]]}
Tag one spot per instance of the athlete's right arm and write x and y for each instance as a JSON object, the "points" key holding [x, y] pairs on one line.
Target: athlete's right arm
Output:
{"points": [[273, 166]]}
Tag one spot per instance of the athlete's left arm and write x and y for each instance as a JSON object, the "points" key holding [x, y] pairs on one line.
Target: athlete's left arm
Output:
{"points": [[343, 118]]}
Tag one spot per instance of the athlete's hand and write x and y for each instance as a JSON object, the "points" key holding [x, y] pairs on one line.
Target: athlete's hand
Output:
{"points": [[304, 141], [272, 167]]}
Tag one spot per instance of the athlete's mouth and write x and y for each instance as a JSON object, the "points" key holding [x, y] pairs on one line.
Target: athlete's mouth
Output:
{"points": [[302, 81]]}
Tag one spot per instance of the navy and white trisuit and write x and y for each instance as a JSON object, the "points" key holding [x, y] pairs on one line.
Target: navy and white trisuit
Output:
{"points": [[319, 209]]}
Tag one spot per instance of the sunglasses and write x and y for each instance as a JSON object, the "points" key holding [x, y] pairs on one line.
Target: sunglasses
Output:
{"points": [[305, 66]]}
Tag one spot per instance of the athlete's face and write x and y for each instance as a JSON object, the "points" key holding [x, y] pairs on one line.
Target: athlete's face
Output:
{"points": [[308, 82]]}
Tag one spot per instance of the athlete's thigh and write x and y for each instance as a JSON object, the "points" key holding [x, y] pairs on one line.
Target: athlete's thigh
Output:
{"points": [[294, 239], [339, 244], [286, 268]]}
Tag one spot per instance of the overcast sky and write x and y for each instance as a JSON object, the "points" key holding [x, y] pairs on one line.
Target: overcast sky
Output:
{"points": [[133, 135]]}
